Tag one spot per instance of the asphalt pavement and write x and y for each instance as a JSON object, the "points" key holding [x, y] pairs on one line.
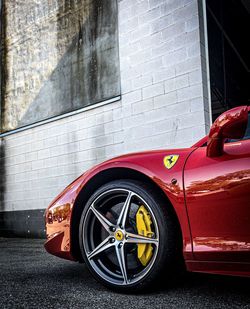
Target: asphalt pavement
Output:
{"points": [[31, 278]]}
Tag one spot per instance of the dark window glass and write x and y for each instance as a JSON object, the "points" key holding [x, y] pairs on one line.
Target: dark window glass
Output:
{"points": [[247, 133], [228, 22]]}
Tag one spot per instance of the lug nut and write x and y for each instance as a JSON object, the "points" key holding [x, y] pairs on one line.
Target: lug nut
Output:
{"points": [[112, 229], [112, 239], [120, 245]]}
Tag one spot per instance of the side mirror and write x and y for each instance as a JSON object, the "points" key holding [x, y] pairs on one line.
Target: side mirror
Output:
{"points": [[231, 124]]}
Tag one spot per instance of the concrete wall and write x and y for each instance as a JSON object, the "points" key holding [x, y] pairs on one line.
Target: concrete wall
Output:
{"points": [[60, 56], [164, 104]]}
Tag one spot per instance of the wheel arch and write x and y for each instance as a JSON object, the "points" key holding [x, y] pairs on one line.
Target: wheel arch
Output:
{"points": [[105, 176]]}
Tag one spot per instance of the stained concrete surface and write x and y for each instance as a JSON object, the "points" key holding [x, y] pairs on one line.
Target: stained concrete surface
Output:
{"points": [[59, 56], [31, 278]]}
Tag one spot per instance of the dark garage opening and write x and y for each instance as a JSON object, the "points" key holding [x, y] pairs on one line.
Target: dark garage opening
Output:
{"points": [[228, 24]]}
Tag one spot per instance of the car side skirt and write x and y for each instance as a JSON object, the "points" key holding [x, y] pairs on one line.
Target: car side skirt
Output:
{"points": [[219, 268]]}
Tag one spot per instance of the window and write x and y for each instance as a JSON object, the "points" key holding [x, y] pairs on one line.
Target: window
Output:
{"points": [[60, 56], [247, 133]]}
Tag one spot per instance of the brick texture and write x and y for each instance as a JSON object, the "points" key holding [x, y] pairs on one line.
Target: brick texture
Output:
{"points": [[163, 105]]}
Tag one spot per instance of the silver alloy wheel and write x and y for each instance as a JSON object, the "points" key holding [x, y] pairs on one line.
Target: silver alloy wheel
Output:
{"points": [[108, 239]]}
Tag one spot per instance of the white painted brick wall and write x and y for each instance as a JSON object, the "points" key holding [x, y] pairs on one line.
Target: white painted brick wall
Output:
{"points": [[163, 105]]}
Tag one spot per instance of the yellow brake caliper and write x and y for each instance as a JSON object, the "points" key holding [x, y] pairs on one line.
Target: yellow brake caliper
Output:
{"points": [[143, 224]]}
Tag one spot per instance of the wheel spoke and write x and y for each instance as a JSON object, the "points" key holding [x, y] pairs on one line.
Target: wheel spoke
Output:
{"points": [[104, 245], [122, 263], [109, 214], [103, 220], [124, 212], [139, 239]]}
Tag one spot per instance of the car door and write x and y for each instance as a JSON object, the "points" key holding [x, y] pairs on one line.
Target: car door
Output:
{"points": [[217, 194]]}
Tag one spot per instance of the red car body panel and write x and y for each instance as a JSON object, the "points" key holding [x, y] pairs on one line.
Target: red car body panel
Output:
{"points": [[216, 200], [211, 199], [148, 163]]}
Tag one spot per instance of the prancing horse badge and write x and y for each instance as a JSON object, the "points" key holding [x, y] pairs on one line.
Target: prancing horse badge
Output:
{"points": [[169, 161]]}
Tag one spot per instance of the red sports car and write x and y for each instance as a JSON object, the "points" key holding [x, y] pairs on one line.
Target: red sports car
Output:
{"points": [[138, 217]]}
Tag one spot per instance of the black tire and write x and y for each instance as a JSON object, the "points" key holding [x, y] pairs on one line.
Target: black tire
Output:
{"points": [[168, 247]]}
